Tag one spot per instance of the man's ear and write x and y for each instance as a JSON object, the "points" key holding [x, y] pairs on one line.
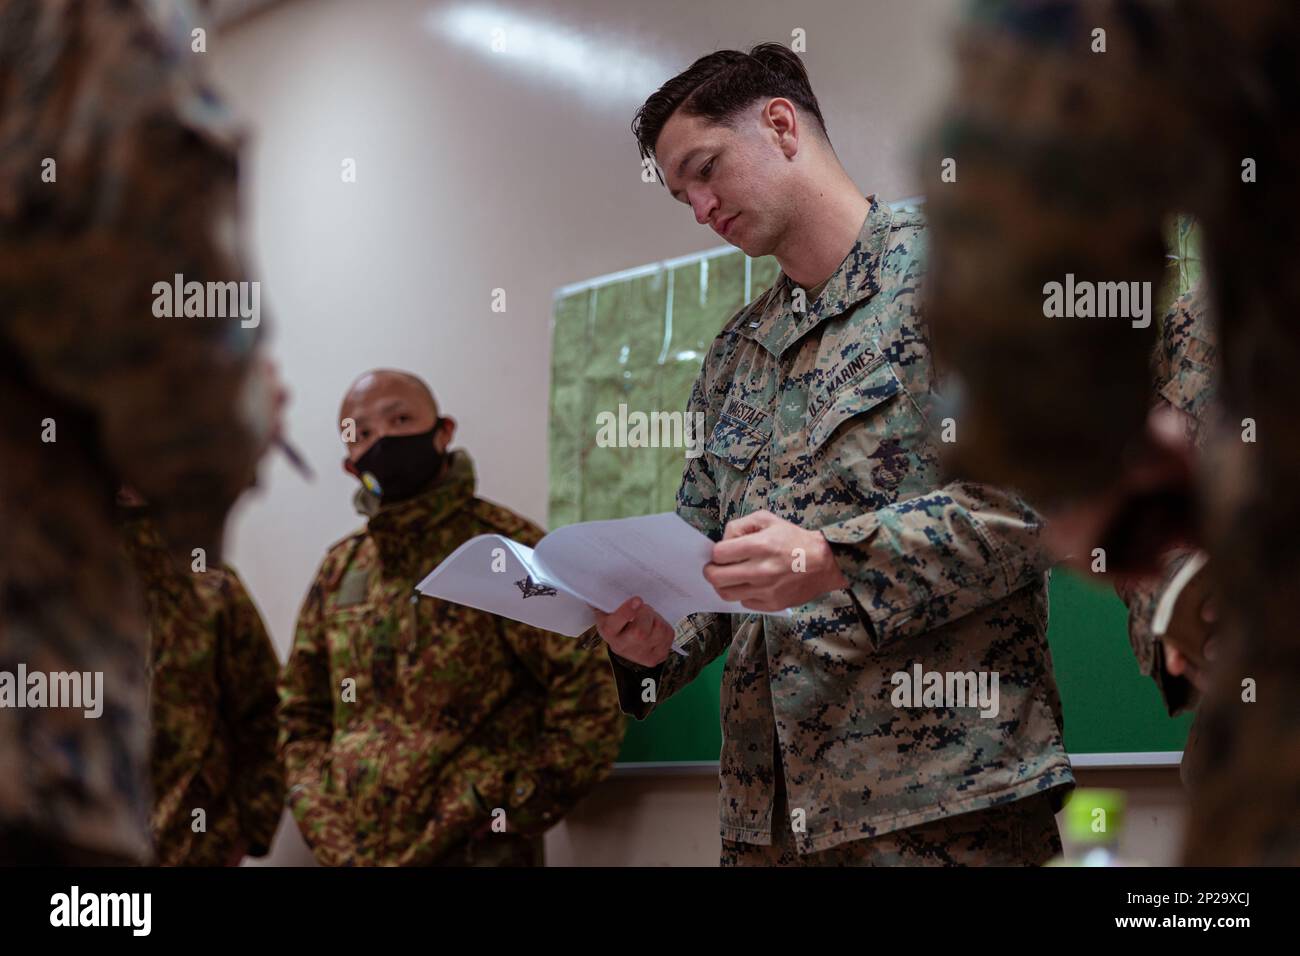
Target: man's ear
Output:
{"points": [[350, 468], [781, 116], [446, 429]]}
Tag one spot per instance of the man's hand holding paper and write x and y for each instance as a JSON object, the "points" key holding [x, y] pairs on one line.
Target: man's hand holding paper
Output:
{"points": [[579, 571], [764, 562], [769, 564], [636, 632]]}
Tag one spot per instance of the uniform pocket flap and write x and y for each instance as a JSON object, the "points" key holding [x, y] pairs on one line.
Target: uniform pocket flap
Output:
{"points": [[868, 392], [737, 443]]}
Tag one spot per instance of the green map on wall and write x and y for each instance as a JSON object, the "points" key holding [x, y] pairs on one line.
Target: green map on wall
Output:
{"points": [[637, 340]]}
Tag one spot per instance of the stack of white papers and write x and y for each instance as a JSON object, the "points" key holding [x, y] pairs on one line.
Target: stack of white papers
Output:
{"points": [[659, 558]]}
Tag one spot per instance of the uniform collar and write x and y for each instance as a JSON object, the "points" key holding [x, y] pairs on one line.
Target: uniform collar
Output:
{"points": [[776, 326]]}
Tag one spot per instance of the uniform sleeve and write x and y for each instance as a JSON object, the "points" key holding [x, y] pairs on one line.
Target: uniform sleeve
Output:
{"points": [[929, 560], [534, 778], [1183, 370], [248, 673], [703, 637], [144, 190], [306, 730], [581, 728], [460, 810], [1141, 597], [1186, 358]]}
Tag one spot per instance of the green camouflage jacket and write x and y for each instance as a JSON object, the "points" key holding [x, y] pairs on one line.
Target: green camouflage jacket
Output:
{"points": [[826, 419], [406, 720], [212, 703]]}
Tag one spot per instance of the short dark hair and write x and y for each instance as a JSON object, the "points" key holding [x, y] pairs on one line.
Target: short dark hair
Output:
{"points": [[720, 85]]}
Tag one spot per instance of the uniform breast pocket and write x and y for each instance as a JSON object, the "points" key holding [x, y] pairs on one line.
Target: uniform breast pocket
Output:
{"points": [[737, 447], [871, 440]]}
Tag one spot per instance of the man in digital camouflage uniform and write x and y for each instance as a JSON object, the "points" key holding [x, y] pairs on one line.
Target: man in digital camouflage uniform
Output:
{"points": [[1184, 372], [820, 484], [117, 171], [1077, 130], [416, 731], [217, 785]]}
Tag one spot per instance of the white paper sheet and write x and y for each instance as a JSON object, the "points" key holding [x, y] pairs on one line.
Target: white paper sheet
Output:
{"points": [[659, 558], [494, 574]]}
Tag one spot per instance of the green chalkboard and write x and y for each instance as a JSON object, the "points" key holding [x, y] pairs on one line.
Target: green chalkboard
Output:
{"points": [[1109, 706]]}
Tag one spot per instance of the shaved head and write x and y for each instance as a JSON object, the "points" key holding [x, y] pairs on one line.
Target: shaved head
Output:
{"points": [[386, 379], [386, 401]]}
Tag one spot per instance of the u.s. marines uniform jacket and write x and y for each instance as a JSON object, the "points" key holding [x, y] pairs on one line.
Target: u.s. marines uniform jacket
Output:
{"points": [[1183, 370], [828, 419]]}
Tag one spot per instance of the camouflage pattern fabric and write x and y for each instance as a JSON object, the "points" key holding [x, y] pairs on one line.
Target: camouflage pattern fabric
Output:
{"points": [[1071, 159], [1184, 372], [828, 417], [1022, 833], [212, 713], [456, 712], [102, 392]]}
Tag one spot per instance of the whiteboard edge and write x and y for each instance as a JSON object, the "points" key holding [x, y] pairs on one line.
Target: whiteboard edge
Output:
{"points": [[1138, 760]]}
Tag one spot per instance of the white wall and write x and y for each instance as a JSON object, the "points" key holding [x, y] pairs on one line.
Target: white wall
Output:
{"points": [[479, 170]]}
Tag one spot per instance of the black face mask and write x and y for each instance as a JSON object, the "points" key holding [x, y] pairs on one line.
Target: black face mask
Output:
{"points": [[399, 466]]}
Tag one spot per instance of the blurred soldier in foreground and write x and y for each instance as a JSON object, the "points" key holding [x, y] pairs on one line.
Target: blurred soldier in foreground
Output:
{"points": [[212, 699], [116, 174], [1079, 129], [418, 732]]}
